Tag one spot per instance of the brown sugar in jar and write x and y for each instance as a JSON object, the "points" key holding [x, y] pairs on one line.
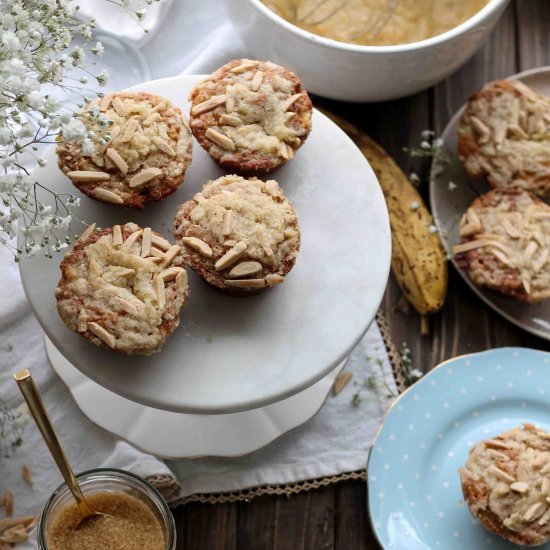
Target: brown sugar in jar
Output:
{"points": [[133, 526]]}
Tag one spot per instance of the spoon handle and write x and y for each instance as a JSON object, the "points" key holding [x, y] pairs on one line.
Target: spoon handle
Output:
{"points": [[44, 423]]}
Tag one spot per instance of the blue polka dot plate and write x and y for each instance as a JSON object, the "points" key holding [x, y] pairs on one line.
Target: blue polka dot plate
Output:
{"points": [[414, 492]]}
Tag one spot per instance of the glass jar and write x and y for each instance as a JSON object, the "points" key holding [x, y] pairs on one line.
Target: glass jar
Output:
{"points": [[109, 480]]}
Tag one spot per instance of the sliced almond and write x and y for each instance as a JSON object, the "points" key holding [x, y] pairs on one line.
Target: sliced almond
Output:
{"points": [[530, 249], [230, 104], [510, 229], [102, 334], [470, 229], [164, 146], [87, 233], [9, 503], [495, 444], [88, 175], [244, 67], [273, 279], [245, 283], [159, 241], [82, 325], [146, 242], [119, 107], [118, 161], [272, 188], [502, 257], [257, 81], [480, 127], [26, 473], [117, 235], [229, 120], [155, 117], [15, 535], [161, 292], [105, 101], [283, 151], [227, 222], [534, 511], [132, 238], [545, 469], [129, 130], [231, 256], [544, 519], [145, 176], [497, 455], [125, 305], [107, 196], [290, 101], [519, 487], [500, 474], [160, 106], [245, 269], [545, 487], [182, 281], [341, 382], [221, 140], [8, 523], [472, 245], [199, 245], [539, 262], [170, 274], [170, 254], [516, 131], [209, 104]]}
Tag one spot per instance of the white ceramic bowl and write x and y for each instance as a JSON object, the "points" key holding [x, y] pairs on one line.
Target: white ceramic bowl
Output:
{"points": [[359, 73]]}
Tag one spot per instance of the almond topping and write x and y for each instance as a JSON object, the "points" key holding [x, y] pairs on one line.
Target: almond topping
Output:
{"points": [[170, 274], [500, 474], [87, 233], [230, 104], [117, 235], [144, 176], [538, 264], [118, 161], [26, 473], [245, 269], [516, 131], [470, 229], [496, 444], [9, 503], [82, 325], [529, 251], [283, 151], [231, 256], [130, 130], [272, 187], [228, 120], [125, 305], [159, 241], [161, 292], [181, 281], [227, 222], [151, 119], [209, 104], [534, 511], [88, 175], [118, 106], [510, 229], [545, 469], [519, 487], [497, 455], [164, 146], [170, 254], [257, 81], [8, 523], [107, 196], [479, 126], [243, 67], [156, 252], [245, 283], [132, 238], [102, 334], [160, 106], [545, 486], [221, 140], [146, 242], [274, 279], [341, 382], [199, 245], [105, 102], [290, 101]]}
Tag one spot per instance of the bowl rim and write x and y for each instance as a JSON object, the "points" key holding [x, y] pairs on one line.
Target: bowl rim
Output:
{"points": [[478, 17]]}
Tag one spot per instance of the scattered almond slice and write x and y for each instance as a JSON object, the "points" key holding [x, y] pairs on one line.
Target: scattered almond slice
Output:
{"points": [[209, 104], [245, 283], [181, 281], [8, 523], [87, 233], [119, 107], [132, 238], [88, 175], [341, 382], [500, 474], [160, 106], [230, 104], [272, 188], [245, 269], [118, 161], [170, 274], [495, 444], [159, 241], [273, 279], [221, 140], [480, 127], [125, 305], [130, 130], [231, 256], [105, 101], [82, 325], [9, 503], [519, 487], [107, 196], [290, 101], [227, 222], [244, 67], [145, 176], [156, 252], [26, 473], [164, 146], [155, 117], [257, 81], [161, 292], [102, 334], [146, 242], [534, 511], [199, 245], [170, 254], [117, 235], [228, 120]]}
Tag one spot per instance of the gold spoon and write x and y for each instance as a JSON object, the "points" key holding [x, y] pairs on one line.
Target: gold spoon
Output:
{"points": [[44, 423]]}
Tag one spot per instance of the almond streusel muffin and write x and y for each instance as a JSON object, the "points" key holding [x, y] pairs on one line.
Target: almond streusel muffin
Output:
{"points": [[240, 235], [250, 116], [506, 484], [504, 135], [123, 287], [505, 244], [139, 150]]}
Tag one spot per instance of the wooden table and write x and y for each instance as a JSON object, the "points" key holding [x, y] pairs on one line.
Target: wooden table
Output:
{"points": [[335, 516]]}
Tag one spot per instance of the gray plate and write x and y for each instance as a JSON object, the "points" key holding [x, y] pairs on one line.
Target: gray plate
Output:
{"points": [[233, 354], [448, 207]]}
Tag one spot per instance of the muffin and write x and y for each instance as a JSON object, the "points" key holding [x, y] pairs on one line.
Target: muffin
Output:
{"points": [[123, 288], [505, 244], [504, 135], [138, 150], [506, 484], [240, 235], [250, 116]]}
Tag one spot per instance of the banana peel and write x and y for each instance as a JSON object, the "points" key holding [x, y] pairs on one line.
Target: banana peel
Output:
{"points": [[418, 259]]}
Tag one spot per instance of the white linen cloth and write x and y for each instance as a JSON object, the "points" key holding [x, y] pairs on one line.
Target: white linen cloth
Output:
{"points": [[195, 38]]}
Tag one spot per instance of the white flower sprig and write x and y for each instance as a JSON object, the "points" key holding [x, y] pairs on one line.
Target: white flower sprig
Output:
{"points": [[37, 56]]}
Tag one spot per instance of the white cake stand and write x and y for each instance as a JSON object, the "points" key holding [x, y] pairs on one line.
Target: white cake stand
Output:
{"points": [[177, 435]]}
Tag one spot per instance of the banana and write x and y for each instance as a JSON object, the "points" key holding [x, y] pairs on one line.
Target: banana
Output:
{"points": [[418, 260]]}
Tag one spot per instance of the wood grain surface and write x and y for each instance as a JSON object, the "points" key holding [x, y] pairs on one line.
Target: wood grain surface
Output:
{"points": [[335, 517]]}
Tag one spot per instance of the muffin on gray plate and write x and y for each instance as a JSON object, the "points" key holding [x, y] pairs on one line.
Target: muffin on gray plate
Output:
{"points": [[123, 288], [505, 244], [506, 484], [250, 116], [240, 235], [139, 149], [504, 135]]}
